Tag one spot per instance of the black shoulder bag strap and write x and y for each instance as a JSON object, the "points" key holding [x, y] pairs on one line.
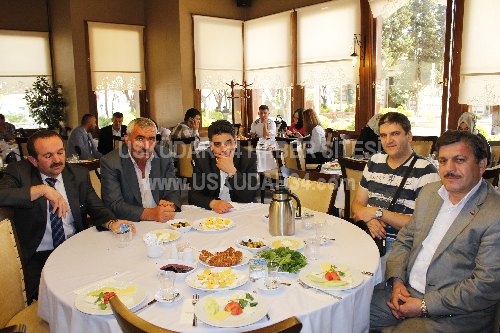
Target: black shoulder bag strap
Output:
{"points": [[402, 184]]}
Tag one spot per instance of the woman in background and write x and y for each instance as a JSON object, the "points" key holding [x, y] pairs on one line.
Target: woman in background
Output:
{"points": [[315, 151], [297, 125], [468, 122], [368, 142]]}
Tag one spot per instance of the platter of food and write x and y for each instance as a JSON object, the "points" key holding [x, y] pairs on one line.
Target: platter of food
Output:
{"points": [[213, 224], [224, 257], [292, 242], [329, 276], [181, 225], [211, 279], [163, 235], [251, 244]]}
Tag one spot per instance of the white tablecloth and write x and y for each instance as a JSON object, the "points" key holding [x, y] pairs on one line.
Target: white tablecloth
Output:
{"points": [[265, 160], [91, 256]]}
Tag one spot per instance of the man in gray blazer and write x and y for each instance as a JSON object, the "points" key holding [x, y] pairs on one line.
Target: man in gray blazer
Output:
{"points": [[443, 273], [80, 141], [138, 180]]}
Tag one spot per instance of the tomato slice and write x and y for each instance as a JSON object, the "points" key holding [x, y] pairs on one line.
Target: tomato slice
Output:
{"points": [[332, 276], [234, 308]]}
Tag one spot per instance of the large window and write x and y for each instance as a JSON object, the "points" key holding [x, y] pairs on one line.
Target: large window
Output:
{"points": [[410, 58], [216, 105], [18, 71], [117, 69], [278, 101]]}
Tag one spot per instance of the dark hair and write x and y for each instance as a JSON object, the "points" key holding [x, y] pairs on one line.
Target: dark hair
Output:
{"points": [[475, 143], [42, 134], [191, 113], [2, 116], [396, 118], [117, 115], [220, 127], [300, 122], [86, 118], [264, 107]]}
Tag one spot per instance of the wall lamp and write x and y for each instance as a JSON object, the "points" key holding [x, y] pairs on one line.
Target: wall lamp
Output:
{"points": [[361, 42]]}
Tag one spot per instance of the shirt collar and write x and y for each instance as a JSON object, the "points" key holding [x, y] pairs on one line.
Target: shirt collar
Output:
{"points": [[445, 195], [148, 161], [44, 176]]}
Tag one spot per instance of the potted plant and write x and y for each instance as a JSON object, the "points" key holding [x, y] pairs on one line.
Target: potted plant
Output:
{"points": [[46, 103]]}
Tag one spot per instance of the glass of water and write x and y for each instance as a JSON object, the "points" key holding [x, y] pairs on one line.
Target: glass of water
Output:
{"points": [[272, 279], [312, 248], [167, 280]]}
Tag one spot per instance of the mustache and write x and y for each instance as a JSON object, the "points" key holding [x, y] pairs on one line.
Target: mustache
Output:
{"points": [[451, 174], [55, 165]]}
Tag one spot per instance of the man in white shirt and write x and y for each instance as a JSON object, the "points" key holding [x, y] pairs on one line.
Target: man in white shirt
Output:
{"points": [[138, 180], [443, 272], [263, 127]]}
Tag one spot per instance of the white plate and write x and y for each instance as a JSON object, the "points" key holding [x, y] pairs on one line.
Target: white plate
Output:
{"points": [[292, 242], [244, 259], [261, 285], [193, 264], [209, 224], [240, 279], [181, 229], [85, 303], [248, 317], [356, 277], [164, 235], [254, 239]]}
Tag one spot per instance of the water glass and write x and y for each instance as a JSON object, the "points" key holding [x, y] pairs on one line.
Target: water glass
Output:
{"points": [[272, 279], [257, 268], [124, 236], [307, 223], [167, 280], [312, 248], [321, 228], [181, 246], [155, 250]]}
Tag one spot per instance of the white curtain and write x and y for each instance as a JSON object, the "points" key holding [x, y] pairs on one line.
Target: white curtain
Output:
{"points": [[325, 41], [480, 67], [24, 55], [218, 48], [385, 8], [268, 51], [116, 56]]}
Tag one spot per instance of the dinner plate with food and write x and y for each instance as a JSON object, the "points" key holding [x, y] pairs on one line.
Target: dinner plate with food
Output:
{"points": [[96, 300], [329, 276], [222, 278], [234, 308], [213, 224], [224, 257], [331, 166], [181, 225], [163, 235], [292, 242], [251, 244]]}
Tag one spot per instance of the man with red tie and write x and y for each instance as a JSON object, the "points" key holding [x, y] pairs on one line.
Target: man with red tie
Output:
{"points": [[51, 201]]}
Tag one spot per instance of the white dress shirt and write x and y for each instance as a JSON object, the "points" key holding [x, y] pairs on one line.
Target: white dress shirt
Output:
{"points": [[117, 133], [258, 128], [68, 220], [444, 219], [318, 140], [144, 186]]}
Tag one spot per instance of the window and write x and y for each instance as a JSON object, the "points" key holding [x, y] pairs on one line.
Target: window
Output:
{"points": [[117, 69], [18, 71], [216, 105], [278, 101], [410, 58], [324, 65]]}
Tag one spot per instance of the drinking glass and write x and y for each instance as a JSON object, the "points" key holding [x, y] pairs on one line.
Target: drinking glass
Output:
{"points": [[312, 248], [124, 236], [321, 228], [272, 279], [167, 280]]}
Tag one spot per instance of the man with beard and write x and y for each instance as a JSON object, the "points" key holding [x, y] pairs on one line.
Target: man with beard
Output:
{"points": [[138, 180], [443, 273], [223, 174], [80, 141], [51, 201]]}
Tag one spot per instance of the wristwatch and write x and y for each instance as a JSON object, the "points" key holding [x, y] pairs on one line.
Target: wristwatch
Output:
{"points": [[423, 309], [379, 213]]}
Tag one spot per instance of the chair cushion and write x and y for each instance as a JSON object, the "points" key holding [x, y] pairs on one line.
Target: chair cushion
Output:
{"points": [[29, 317]]}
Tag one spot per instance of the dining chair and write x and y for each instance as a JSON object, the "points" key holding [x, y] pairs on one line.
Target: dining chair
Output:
{"points": [[352, 172], [316, 191], [22, 144], [129, 322], [18, 328], [289, 325], [271, 178], [291, 158], [491, 175], [495, 152], [14, 309], [424, 145], [183, 149]]}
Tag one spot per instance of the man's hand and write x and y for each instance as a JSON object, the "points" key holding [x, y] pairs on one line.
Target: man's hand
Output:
{"points": [[167, 204], [411, 308], [377, 228], [398, 291], [225, 163], [55, 198], [115, 226], [220, 206], [159, 213], [365, 213]]}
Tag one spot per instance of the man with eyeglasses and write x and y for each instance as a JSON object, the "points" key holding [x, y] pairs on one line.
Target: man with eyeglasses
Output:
{"points": [[223, 173], [138, 180]]}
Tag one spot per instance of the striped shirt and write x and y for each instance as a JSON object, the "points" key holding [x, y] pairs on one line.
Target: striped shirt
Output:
{"points": [[381, 182]]}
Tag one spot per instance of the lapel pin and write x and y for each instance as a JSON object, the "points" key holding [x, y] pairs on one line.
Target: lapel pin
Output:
{"points": [[473, 212]]}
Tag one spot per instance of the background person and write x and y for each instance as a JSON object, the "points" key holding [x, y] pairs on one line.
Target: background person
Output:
{"points": [[297, 125], [467, 122], [7, 130], [189, 127], [316, 146], [80, 141], [263, 127], [108, 134], [368, 142]]}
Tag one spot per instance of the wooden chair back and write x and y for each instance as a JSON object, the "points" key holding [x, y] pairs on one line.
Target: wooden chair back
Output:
{"points": [[352, 172], [495, 152], [291, 157], [289, 325], [316, 191], [183, 149], [424, 145], [22, 144], [129, 322]]}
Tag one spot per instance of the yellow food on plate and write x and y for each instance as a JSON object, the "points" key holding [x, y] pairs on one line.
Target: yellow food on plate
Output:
{"points": [[211, 306], [129, 290], [212, 280], [290, 243], [221, 315], [215, 223]]}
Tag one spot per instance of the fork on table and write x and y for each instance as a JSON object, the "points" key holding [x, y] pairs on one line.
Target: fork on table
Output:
{"points": [[305, 286], [195, 300]]}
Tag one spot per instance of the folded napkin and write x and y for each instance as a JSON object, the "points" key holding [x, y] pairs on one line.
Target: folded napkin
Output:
{"points": [[187, 312], [97, 284]]}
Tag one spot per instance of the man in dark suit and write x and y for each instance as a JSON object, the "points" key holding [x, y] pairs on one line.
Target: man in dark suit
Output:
{"points": [[109, 134], [51, 201], [223, 174], [138, 180]]}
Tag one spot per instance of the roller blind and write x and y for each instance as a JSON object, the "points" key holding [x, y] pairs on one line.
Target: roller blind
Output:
{"points": [[325, 42], [24, 55], [116, 56], [218, 49], [268, 51], [480, 67]]}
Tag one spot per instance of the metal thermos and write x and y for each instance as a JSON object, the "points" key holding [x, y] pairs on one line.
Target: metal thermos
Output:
{"points": [[282, 212]]}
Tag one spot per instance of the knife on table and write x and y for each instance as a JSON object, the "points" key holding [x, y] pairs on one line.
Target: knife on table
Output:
{"points": [[153, 301]]}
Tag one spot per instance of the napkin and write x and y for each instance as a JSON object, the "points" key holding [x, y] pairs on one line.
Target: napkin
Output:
{"points": [[99, 283], [187, 312]]}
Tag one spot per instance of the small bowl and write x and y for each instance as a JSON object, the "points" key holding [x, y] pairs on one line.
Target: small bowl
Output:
{"points": [[174, 225], [254, 239], [193, 264]]}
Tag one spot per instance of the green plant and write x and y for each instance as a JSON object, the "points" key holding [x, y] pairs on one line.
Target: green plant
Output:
{"points": [[46, 103]]}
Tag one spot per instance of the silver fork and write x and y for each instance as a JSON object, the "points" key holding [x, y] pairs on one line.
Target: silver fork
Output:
{"points": [[305, 286], [195, 300]]}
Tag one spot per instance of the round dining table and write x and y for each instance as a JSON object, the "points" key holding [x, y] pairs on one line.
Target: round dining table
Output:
{"points": [[91, 256]]}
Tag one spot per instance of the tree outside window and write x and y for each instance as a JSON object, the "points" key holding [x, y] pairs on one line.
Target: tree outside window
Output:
{"points": [[111, 101]]}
